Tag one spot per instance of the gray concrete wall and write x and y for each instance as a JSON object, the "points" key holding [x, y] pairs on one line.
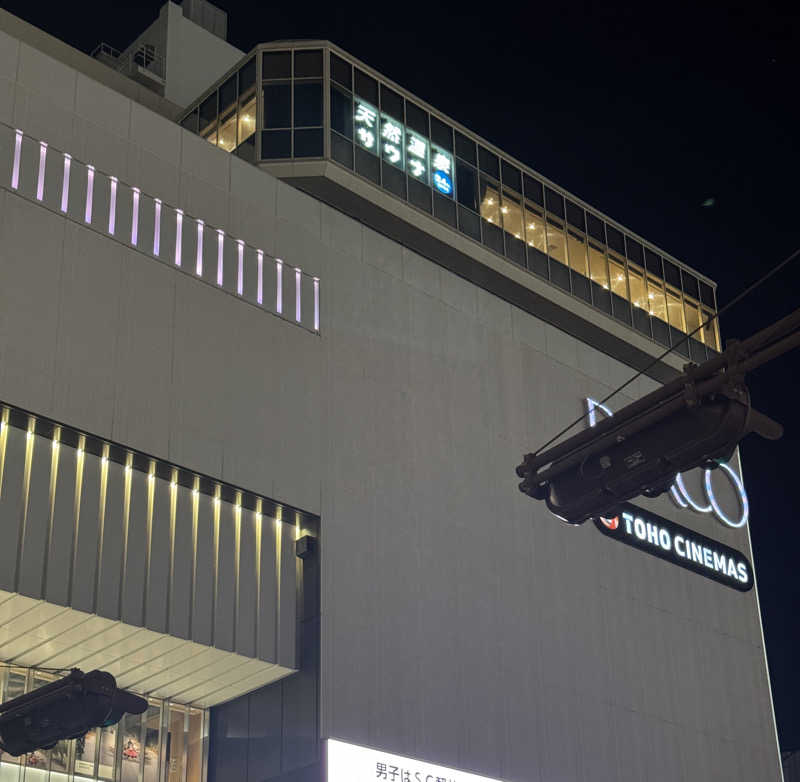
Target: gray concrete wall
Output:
{"points": [[460, 622]]}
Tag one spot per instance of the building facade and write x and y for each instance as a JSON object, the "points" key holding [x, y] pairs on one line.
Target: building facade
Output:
{"points": [[270, 348]]}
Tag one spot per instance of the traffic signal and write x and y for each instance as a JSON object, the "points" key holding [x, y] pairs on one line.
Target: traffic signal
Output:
{"points": [[64, 709]]}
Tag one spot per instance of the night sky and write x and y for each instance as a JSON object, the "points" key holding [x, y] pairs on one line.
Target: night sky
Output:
{"points": [[645, 113]]}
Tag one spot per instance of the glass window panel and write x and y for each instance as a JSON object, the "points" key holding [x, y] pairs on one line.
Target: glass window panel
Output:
{"points": [[392, 141], [556, 241], [634, 251], [655, 298], [639, 296], [469, 223], [692, 315], [652, 262], [227, 94], [107, 758], [512, 177], [534, 228], [417, 157], [247, 77], [691, 285], [420, 196], [488, 163], [441, 134], [445, 209], [341, 111], [533, 190], [247, 149], [227, 133], [706, 294], [598, 269], [392, 103], [211, 136], [595, 227], [465, 149], [341, 71], [175, 743], [672, 274], [131, 748], [442, 170], [710, 330], [575, 215], [368, 165], [307, 62], [554, 202], [276, 144], [416, 118], [247, 120], [189, 122], [14, 687], [490, 201], [208, 112], [151, 742], [467, 185], [615, 240], [576, 248], [307, 104], [365, 123], [341, 149], [277, 105], [492, 236], [616, 270], [675, 309], [276, 65], [85, 751], [308, 142], [366, 87], [512, 216], [194, 759]]}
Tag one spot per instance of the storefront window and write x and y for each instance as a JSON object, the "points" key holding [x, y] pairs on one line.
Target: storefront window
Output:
{"points": [[194, 753], [107, 758], [175, 744]]}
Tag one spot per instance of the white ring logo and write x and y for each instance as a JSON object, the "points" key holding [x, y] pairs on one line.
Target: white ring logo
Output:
{"points": [[680, 494]]}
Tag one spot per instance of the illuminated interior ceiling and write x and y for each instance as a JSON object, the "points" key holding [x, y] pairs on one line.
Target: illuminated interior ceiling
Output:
{"points": [[40, 634]]}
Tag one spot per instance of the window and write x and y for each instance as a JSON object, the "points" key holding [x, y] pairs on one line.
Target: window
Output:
{"points": [[488, 163], [189, 122], [710, 330], [441, 134], [276, 144], [576, 246], [512, 177], [575, 216], [639, 296], [556, 241], [341, 111], [392, 103], [512, 216], [534, 228], [341, 71], [247, 120], [307, 104], [277, 105], [307, 62], [465, 149], [467, 185], [416, 118], [554, 202], [366, 87], [656, 299], [227, 131], [208, 115], [247, 77], [490, 201], [675, 309], [276, 65], [533, 190], [227, 95], [616, 270], [308, 142], [598, 270], [595, 228]]}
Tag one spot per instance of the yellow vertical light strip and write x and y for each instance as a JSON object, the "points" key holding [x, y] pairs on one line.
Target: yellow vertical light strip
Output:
{"points": [[173, 506], [237, 550], [215, 564], [126, 513], [151, 493], [258, 522], [3, 441], [80, 460], [195, 511], [54, 456], [101, 523], [26, 481], [278, 539]]}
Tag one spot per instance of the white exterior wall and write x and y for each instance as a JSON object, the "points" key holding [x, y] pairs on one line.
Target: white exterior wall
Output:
{"points": [[461, 623]]}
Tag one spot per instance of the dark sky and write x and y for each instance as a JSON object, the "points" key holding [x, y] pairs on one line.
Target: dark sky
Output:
{"points": [[643, 110]]}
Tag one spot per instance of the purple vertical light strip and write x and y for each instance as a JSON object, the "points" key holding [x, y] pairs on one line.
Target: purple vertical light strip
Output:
{"points": [[298, 275], [260, 284], [279, 286], [240, 269], [42, 165], [316, 303], [135, 217], [87, 216], [65, 184], [112, 205], [178, 235], [198, 263], [220, 251], [157, 227], [17, 156]]}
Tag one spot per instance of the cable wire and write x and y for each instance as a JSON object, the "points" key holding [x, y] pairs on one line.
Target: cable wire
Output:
{"points": [[736, 299]]}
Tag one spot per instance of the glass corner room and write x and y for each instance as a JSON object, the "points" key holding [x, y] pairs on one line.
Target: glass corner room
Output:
{"points": [[307, 100]]}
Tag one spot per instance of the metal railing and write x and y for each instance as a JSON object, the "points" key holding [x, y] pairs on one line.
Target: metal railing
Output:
{"points": [[134, 60]]}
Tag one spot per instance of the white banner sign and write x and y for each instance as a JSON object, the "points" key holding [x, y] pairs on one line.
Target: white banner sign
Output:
{"points": [[351, 763]]}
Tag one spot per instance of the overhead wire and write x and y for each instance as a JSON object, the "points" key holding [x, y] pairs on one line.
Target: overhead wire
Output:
{"points": [[735, 300]]}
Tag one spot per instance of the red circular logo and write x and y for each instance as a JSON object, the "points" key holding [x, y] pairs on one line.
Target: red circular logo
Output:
{"points": [[612, 523]]}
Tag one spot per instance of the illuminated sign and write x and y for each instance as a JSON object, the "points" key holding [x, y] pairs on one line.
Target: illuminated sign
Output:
{"points": [[351, 763], [670, 541], [417, 149], [442, 167], [392, 138], [366, 126], [679, 493]]}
